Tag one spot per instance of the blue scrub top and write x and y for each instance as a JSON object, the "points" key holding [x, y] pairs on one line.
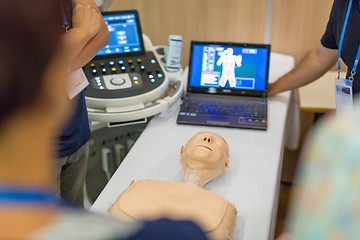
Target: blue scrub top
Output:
{"points": [[77, 132]]}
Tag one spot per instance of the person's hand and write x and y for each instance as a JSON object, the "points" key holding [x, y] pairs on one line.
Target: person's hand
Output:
{"points": [[86, 19], [271, 90]]}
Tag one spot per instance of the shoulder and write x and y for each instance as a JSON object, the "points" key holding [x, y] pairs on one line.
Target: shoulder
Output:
{"points": [[340, 6]]}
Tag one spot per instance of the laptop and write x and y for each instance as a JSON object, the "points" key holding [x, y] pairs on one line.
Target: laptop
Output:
{"points": [[227, 85]]}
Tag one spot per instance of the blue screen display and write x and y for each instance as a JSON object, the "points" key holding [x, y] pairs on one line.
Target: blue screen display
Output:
{"points": [[124, 36], [229, 67]]}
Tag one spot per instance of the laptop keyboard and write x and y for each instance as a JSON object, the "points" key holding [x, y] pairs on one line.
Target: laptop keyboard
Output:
{"points": [[247, 111]]}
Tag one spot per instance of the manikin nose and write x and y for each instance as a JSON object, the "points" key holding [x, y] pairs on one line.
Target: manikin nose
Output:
{"points": [[207, 139]]}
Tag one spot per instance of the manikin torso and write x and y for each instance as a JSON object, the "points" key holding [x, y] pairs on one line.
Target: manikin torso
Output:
{"points": [[204, 157]]}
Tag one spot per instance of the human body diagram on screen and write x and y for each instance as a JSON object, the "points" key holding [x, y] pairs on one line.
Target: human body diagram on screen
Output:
{"points": [[229, 61]]}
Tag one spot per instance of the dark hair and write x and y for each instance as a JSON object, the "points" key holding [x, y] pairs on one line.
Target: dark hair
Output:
{"points": [[30, 32]]}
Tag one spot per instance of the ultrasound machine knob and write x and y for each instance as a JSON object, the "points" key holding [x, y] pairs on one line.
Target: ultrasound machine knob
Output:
{"points": [[117, 81]]}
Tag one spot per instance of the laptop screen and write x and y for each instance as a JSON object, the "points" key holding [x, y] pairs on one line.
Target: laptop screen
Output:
{"points": [[229, 68], [125, 33]]}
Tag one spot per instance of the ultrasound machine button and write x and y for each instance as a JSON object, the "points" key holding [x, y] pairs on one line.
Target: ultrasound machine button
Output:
{"points": [[142, 67], [139, 60], [123, 68], [130, 61], [151, 76], [111, 63], [121, 62], [152, 80], [113, 69], [92, 65], [104, 70], [135, 78], [153, 61], [132, 68], [160, 75], [102, 64], [94, 71], [136, 82]]}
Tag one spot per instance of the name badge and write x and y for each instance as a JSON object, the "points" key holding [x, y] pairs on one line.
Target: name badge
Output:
{"points": [[343, 93], [77, 83]]}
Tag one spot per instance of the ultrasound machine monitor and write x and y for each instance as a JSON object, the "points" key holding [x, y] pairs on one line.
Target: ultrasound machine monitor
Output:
{"points": [[227, 85], [125, 34], [123, 73]]}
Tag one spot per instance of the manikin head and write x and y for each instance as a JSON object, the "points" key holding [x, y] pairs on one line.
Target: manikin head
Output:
{"points": [[205, 155]]}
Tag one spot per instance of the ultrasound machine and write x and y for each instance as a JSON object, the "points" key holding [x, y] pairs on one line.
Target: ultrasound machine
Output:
{"points": [[127, 84]]}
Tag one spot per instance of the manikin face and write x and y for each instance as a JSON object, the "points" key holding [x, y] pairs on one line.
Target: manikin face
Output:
{"points": [[205, 152]]}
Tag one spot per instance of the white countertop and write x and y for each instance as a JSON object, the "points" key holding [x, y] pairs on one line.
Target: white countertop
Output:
{"points": [[251, 182]]}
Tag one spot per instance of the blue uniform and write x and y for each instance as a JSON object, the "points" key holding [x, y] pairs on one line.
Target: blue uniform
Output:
{"points": [[77, 133], [331, 37]]}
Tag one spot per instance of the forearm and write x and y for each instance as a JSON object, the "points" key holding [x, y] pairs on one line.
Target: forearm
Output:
{"points": [[88, 51], [74, 41], [316, 63]]}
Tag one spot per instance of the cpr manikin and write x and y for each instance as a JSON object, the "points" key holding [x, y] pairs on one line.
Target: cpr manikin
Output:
{"points": [[204, 157], [228, 60]]}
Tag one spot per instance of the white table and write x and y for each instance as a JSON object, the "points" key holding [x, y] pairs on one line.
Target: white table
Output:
{"points": [[253, 179]]}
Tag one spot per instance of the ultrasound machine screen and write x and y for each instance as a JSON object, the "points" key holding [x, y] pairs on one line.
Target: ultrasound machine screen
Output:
{"points": [[124, 34], [243, 68]]}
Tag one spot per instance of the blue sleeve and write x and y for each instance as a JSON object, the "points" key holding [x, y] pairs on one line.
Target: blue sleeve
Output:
{"points": [[165, 229], [328, 40]]}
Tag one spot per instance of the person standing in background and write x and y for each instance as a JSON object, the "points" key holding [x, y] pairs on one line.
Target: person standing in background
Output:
{"points": [[86, 33], [341, 40]]}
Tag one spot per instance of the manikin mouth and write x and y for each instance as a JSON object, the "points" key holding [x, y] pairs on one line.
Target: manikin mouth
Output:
{"points": [[204, 147]]}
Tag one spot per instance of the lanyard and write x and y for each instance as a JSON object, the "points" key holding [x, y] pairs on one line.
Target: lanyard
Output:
{"points": [[353, 71], [23, 195]]}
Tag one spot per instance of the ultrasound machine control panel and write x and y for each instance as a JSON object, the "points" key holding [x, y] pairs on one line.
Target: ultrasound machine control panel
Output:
{"points": [[123, 68]]}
